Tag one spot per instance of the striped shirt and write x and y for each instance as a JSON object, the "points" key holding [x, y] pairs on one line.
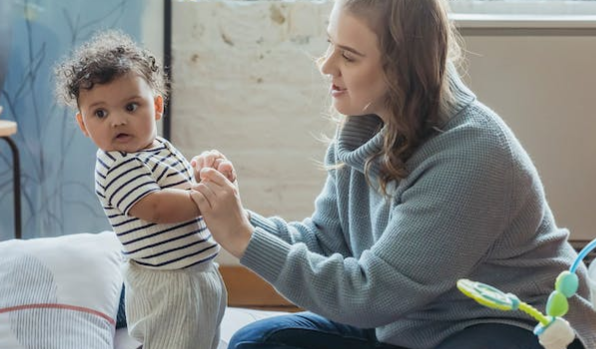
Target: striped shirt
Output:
{"points": [[122, 179]]}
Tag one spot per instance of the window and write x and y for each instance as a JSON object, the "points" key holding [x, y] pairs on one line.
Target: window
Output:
{"points": [[525, 7]]}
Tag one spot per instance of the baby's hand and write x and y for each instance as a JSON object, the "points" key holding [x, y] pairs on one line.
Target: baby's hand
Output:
{"points": [[227, 169], [213, 159]]}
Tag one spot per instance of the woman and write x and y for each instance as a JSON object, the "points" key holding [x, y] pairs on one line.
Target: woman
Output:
{"points": [[425, 186]]}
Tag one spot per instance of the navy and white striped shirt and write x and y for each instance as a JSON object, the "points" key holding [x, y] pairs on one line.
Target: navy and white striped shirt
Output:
{"points": [[122, 179]]}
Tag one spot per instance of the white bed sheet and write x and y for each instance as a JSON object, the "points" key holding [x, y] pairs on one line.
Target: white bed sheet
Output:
{"points": [[233, 320]]}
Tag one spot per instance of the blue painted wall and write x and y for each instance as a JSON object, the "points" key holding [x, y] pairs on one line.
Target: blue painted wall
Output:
{"points": [[57, 160]]}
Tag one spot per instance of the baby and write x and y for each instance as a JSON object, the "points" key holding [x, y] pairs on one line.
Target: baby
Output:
{"points": [[175, 296]]}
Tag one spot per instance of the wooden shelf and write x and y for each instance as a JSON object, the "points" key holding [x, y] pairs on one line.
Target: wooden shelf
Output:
{"points": [[248, 290], [7, 128]]}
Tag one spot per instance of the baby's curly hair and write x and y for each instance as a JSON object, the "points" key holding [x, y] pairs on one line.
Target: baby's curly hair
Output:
{"points": [[107, 56]]}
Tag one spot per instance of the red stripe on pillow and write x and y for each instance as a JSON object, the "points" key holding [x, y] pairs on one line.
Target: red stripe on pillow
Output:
{"points": [[59, 306]]}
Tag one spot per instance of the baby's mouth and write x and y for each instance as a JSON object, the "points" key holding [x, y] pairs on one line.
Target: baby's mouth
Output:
{"points": [[122, 136]]}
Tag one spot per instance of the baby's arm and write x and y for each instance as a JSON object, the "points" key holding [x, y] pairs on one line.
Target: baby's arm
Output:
{"points": [[166, 206], [175, 205]]}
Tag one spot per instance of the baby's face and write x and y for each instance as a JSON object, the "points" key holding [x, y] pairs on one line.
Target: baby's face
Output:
{"points": [[120, 115]]}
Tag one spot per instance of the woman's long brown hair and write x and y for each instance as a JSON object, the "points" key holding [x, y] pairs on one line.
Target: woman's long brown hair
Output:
{"points": [[416, 41]]}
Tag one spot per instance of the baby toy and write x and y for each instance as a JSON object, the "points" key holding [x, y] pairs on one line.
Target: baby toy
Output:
{"points": [[552, 330]]}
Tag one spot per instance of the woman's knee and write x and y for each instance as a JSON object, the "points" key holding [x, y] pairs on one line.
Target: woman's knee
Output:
{"points": [[259, 331], [292, 330], [492, 336]]}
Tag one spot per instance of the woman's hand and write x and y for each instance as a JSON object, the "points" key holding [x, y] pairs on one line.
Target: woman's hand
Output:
{"points": [[213, 159], [219, 202]]}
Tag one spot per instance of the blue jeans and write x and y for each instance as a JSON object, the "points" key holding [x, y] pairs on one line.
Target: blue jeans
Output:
{"points": [[310, 331]]}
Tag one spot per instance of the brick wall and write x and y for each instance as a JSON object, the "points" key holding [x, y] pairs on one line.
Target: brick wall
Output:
{"points": [[245, 82]]}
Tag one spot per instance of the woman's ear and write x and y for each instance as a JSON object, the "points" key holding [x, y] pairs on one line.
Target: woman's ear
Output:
{"points": [[158, 104], [82, 124]]}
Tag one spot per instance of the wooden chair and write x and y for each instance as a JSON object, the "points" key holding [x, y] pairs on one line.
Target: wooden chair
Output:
{"points": [[7, 129]]}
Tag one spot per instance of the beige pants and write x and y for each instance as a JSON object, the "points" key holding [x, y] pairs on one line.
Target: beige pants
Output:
{"points": [[174, 309]]}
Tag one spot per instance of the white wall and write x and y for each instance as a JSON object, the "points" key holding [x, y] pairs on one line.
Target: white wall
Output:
{"points": [[246, 84], [152, 27], [543, 86]]}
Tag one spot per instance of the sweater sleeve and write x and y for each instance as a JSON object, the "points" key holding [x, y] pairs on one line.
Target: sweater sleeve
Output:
{"points": [[322, 232], [443, 224]]}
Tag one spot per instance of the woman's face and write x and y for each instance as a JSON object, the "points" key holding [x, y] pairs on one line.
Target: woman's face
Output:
{"points": [[353, 62]]}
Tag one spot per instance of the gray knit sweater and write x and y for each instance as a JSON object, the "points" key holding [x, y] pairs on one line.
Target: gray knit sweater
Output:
{"points": [[471, 207]]}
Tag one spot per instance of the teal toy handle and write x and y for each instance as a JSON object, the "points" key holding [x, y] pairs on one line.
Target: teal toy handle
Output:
{"points": [[582, 254]]}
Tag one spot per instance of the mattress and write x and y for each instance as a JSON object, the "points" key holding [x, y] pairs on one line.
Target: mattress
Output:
{"points": [[233, 320]]}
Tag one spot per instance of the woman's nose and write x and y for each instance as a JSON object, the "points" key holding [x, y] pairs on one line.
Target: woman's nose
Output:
{"points": [[328, 66]]}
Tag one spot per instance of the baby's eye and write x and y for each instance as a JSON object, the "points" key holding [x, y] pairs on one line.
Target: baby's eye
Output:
{"points": [[100, 113], [132, 106]]}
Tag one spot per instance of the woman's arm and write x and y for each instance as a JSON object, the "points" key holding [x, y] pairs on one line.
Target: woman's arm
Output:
{"points": [[321, 233], [232, 226], [441, 229], [227, 219], [439, 232]]}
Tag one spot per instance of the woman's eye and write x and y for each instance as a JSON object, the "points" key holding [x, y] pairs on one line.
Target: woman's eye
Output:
{"points": [[347, 57], [132, 106], [100, 113]]}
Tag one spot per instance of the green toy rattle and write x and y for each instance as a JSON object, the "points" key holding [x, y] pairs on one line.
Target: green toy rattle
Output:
{"points": [[552, 330]]}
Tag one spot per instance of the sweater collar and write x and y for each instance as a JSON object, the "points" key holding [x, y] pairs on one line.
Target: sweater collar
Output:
{"points": [[362, 136]]}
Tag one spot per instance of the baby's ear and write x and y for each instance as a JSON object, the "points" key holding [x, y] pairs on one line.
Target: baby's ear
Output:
{"points": [[158, 104], [82, 124]]}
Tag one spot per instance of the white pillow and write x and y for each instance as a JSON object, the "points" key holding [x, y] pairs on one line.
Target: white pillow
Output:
{"points": [[60, 293]]}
